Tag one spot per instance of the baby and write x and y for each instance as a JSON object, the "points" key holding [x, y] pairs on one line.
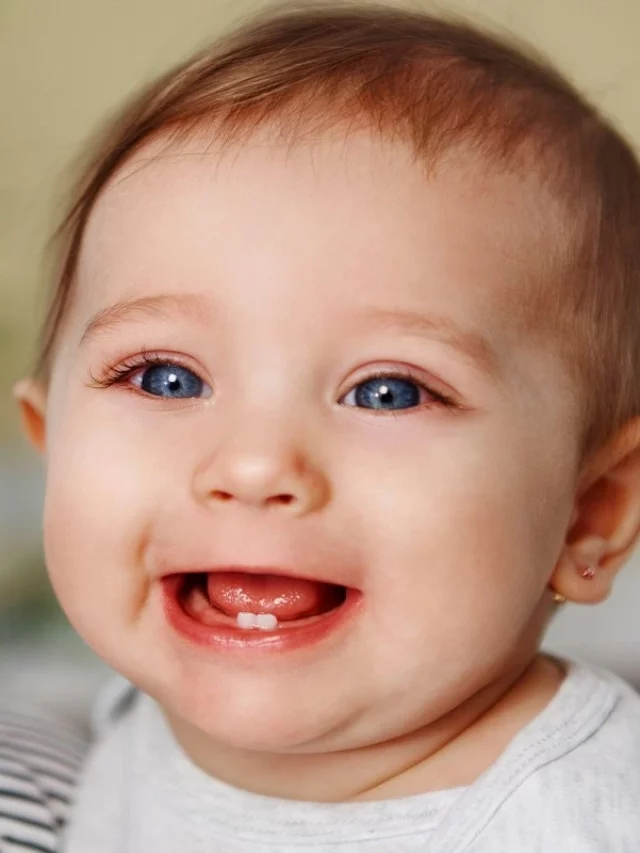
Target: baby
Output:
{"points": [[338, 400]]}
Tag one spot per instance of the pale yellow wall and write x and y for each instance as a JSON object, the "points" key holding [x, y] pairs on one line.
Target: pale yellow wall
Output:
{"points": [[65, 63]]}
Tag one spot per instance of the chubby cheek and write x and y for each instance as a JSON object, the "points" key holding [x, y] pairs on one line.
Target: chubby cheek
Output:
{"points": [[457, 554], [97, 505]]}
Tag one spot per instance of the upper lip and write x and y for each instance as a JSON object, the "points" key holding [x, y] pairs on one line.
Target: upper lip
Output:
{"points": [[254, 570]]}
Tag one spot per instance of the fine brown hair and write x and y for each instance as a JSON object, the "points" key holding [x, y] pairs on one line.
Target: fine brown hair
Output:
{"points": [[438, 84]]}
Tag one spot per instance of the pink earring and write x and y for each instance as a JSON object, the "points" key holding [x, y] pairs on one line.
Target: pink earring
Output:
{"points": [[588, 572]]}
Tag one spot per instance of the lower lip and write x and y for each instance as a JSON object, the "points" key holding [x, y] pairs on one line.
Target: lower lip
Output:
{"points": [[230, 638]]}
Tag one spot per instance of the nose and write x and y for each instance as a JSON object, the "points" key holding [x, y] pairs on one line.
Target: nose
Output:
{"points": [[261, 469]]}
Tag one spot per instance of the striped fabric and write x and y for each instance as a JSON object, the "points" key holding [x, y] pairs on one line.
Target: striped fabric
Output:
{"points": [[39, 762]]}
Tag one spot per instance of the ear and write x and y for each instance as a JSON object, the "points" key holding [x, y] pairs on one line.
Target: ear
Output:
{"points": [[32, 402], [606, 520]]}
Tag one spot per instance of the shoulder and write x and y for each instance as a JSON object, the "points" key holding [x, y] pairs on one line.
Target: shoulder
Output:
{"points": [[615, 739], [607, 763], [40, 760], [582, 787]]}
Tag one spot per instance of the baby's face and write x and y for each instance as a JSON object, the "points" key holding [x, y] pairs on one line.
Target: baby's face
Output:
{"points": [[283, 282]]}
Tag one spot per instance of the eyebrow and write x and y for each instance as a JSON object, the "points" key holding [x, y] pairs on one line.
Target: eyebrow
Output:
{"points": [[190, 306], [471, 344]]}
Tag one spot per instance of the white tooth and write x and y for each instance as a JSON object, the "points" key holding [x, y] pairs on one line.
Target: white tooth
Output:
{"points": [[266, 621], [246, 620]]}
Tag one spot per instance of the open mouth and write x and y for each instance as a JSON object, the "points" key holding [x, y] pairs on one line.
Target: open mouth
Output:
{"points": [[241, 609], [222, 600]]}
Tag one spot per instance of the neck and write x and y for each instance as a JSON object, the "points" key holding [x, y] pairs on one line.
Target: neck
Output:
{"points": [[448, 753]]}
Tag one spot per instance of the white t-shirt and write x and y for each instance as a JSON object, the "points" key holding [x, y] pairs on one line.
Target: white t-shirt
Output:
{"points": [[568, 783]]}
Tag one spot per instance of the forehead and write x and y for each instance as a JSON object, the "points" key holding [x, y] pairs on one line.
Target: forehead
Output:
{"points": [[337, 208]]}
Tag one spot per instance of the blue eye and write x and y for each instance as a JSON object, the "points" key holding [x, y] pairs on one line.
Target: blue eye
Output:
{"points": [[156, 375], [385, 392], [170, 381]]}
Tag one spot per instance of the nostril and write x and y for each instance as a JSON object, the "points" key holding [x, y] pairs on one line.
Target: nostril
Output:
{"points": [[221, 496], [281, 499]]}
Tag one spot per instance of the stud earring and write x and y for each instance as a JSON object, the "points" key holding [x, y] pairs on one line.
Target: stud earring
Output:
{"points": [[588, 572]]}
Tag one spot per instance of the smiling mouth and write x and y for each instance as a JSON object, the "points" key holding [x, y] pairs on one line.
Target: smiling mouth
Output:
{"points": [[194, 597]]}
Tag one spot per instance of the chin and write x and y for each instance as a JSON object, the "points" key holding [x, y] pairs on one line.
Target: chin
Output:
{"points": [[251, 720]]}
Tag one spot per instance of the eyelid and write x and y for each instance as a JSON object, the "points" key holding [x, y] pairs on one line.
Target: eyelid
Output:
{"points": [[410, 374], [120, 372]]}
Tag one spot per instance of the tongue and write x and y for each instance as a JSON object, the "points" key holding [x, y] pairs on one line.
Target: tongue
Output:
{"points": [[285, 597]]}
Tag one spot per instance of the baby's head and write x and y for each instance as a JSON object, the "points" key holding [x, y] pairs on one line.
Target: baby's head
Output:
{"points": [[352, 297]]}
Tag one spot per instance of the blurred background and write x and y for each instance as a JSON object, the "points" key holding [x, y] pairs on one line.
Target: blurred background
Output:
{"points": [[64, 67]]}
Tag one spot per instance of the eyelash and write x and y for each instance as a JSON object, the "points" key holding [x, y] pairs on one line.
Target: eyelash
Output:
{"points": [[407, 374], [119, 374]]}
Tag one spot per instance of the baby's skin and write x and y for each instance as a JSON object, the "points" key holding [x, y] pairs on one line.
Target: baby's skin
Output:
{"points": [[340, 393]]}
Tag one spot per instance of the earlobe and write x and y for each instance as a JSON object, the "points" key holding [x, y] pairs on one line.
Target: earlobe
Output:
{"points": [[604, 530], [32, 402], [581, 574]]}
